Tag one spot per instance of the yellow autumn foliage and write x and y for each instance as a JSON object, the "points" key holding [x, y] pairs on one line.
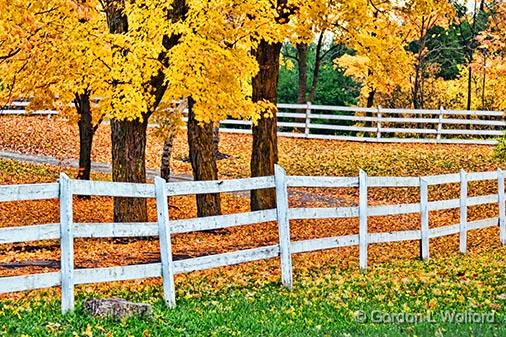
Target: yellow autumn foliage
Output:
{"points": [[55, 53]]}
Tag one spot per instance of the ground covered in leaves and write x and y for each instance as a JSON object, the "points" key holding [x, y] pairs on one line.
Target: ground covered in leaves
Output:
{"points": [[395, 299], [299, 157], [58, 138]]}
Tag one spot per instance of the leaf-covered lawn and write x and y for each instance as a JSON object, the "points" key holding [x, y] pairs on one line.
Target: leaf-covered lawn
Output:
{"points": [[246, 299], [35, 257], [324, 302], [57, 137]]}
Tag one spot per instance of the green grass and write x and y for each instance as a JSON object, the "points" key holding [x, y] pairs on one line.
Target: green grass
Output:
{"points": [[23, 171], [322, 303], [19, 172]]}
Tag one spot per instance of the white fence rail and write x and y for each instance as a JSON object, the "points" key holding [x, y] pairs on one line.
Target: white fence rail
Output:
{"points": [[66, 231], [18, 108], [366, 124]]}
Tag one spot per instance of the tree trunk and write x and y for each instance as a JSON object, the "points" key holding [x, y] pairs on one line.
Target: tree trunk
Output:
{"points": [[216, 143], [128, 165], [216, 140], [166, 156], [317, 66], [370, 98], [265, 141], [86, 131], [469, 87], [203, 161], [416, 89], [484, 82], [419, 65], [302, 67], [369, 104]]}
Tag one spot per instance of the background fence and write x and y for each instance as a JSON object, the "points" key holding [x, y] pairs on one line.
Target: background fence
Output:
{"points": [[67, 230], [366, 124]]}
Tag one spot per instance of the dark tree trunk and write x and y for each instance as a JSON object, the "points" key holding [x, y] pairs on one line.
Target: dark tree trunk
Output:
{"points": [[302, 49], [419, 66], [216, 143], [86, 131], [203, 161], [129, 137], [369, 104], [128, 165], [216, 140], [317, 66], [370, 98], [484, 82], [265, 141], [469, 87], [166, 156], [416, 90]]}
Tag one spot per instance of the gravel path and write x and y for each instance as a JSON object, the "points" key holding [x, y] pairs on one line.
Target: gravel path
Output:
{"points": [[95, 167], [302, 196]]}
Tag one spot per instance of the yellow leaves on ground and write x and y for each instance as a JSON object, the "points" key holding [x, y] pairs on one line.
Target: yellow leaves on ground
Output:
{"points": [[298, 156]]}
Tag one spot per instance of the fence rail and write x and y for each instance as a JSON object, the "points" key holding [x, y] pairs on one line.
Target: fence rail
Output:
{"points": [[383, 125], [365, 124], [66, 231]]}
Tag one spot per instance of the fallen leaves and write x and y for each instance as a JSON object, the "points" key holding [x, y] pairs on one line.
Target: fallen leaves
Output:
{"points": [[58, 138], [298, 156]]}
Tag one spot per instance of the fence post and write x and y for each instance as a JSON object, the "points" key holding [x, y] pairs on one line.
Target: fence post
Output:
{"points": [[66, 244], [502, 206], [283, 226], [363, 204], [378, 123], [308, 119], [463, 212], [424, 216], [440, 123], [162, 211]]}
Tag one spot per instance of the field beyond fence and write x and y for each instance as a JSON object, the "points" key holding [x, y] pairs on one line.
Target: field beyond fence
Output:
{"points": [[66, 231], [376, 124]]}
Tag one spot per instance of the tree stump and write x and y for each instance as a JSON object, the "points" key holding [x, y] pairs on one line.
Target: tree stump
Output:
{"points": [[116, 308]]}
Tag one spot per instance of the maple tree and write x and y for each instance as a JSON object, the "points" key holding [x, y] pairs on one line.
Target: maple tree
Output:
{"points": [[187, 49], [329, 24], [493, 48], [380, 61], [52, 57], [264, 153], [226, 63], [295, 20], [215, 71], [421, 16], [139, 54]]}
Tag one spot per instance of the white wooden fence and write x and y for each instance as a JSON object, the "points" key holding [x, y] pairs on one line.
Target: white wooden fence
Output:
{"points": [[67, 230], [367, 124], [17, 108]]}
